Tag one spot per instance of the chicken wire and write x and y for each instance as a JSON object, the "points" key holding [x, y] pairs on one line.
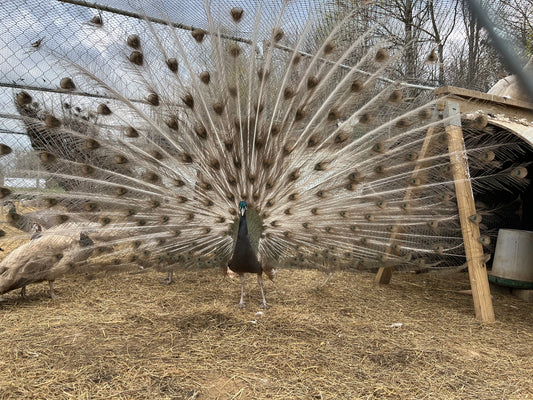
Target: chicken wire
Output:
{"points": [[65, 28]]}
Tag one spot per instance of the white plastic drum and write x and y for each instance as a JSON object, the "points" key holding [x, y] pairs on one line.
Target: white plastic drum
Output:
{"points": [[513, 258]]}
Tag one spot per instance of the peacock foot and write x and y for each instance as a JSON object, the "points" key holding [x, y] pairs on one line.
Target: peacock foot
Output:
{"points": [[264, 305], [169, 279], [52, 293], [242, 305]]}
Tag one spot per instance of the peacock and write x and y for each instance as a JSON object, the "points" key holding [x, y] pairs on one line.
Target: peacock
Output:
{"points": [[287, 148], [244, 258]]}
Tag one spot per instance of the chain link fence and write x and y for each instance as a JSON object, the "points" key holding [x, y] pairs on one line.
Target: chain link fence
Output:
{"points": [[84, 34], [88, 33]]}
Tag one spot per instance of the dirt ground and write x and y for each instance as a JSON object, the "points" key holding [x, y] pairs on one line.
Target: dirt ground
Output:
{"points": [[131, 337]]}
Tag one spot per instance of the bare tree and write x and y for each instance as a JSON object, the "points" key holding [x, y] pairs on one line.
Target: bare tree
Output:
{"points": [[441, 33], [473, 62], [519, 23]]}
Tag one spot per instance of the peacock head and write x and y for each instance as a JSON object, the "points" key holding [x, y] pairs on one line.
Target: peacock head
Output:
{"points": [[242, 207]]}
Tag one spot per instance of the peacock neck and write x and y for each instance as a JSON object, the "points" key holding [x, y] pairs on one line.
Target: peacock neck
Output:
{"points": [[243, 226]]}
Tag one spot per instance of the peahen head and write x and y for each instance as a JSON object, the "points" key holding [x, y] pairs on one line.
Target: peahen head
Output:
{"points": [[242, 207]]}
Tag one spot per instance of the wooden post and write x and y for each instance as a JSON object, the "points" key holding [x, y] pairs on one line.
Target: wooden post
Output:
{"points": [[477, 270], [384, 274]]}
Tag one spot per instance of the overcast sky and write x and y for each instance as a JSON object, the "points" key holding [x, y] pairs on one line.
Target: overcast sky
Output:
{"points": [[64, 29]]}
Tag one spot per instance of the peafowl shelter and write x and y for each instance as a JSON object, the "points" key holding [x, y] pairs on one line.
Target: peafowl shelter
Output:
{"points": [[339, 141]]}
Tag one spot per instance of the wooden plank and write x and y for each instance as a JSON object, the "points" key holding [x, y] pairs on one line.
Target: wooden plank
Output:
{"points": [[486, 97], [477, 270], [471, 101], [384, 274]]}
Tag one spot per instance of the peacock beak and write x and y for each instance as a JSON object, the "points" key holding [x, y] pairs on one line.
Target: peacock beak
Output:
{"points": [[242, 207]]}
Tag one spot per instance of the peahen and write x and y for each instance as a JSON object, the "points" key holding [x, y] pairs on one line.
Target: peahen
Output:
{"points": [[43, 258], [290, 147]]}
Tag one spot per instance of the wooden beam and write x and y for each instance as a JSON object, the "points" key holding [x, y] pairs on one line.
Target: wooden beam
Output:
{"points": [[384, 274], [472, 101], [477, 270], [486, 97]]}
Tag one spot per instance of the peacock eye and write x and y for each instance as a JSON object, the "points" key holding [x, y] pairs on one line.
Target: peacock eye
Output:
{"points": [[253, 144]]}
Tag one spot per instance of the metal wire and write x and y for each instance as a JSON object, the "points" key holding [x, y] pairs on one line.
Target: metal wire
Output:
{"points": [[63, 27]]}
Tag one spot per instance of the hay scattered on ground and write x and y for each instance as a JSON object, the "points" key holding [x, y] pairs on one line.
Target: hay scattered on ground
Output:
{"points": [[130, 337]]}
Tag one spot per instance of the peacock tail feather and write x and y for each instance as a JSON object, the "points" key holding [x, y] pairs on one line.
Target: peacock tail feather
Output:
{"points": [[340, 166]]}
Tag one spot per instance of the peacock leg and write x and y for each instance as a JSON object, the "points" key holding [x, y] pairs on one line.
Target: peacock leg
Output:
{"points": [[51, 286], [323, 284], [241, 303], [169, 279], [260, 281], [23, 292]]}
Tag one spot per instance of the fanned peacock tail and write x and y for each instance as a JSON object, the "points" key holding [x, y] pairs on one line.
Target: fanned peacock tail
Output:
{"points": [[339, 166]]}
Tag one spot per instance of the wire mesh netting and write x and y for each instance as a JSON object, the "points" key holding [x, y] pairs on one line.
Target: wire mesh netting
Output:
{"points": [[444, 44]]}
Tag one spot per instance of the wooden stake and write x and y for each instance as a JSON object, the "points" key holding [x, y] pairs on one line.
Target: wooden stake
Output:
{"points": [[384, 274], [477, 270]]}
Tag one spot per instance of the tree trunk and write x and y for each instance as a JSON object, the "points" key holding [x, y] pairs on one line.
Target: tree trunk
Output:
{"points": [[410, 53]]}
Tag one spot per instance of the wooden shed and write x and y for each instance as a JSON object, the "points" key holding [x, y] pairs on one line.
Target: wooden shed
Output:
{"points": [[481, 113]]}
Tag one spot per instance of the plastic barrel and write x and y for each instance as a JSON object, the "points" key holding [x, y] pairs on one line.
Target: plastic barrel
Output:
{"points": [[513, 257]]}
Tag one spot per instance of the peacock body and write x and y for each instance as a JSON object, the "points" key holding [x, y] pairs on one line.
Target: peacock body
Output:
{"points": [[338, 166]]}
